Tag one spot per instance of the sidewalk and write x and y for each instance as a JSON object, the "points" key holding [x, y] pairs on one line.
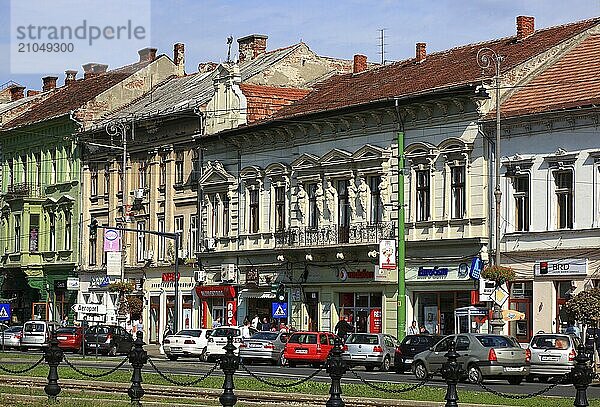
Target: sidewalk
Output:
{"points": [[153, 350]]}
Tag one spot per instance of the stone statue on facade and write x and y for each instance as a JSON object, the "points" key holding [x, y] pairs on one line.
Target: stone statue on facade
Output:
{"points": [[330, 199], [319, 194], [301, 199], [385, 192], [352, 197], [363, 196]]}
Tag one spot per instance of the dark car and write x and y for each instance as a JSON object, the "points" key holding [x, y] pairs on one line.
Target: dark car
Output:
{"points": [[108, 340], [409, 347], [70, 338]]}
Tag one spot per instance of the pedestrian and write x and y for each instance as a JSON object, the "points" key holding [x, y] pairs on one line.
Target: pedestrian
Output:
{"points": [[246, 329], [255, 322], [413, 329], [343, 328], [216, 323], [283, 327], [423, 330], [266, 326], [65, 321]]}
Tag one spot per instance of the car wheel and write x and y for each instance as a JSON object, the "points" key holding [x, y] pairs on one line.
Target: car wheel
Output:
{"points": [[420, 371], [385, 366], [112, 351], [474, 374], [369, 368], [172, 357], [292, 364], [515, 380], [282, 360]]}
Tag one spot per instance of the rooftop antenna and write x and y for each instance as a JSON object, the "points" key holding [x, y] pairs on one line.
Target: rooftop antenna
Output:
{"points": [[229, 42], [382, 44]]}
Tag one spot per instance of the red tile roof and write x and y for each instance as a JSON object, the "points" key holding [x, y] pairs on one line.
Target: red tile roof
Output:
{"points": [[454, 67], [264, 101], [573, 81]]}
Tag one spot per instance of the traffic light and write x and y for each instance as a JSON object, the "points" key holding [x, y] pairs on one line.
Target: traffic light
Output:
{"points": [[543, 267], [93, 228], [281, 292]]}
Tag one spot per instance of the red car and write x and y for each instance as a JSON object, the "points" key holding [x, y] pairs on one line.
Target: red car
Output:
{"points": [[308, 347], [70, 338]]}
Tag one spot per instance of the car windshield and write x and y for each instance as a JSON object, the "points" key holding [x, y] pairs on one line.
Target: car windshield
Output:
{"points": [[35, 327], [361, 339], [67, 330], [190, 332], [226, 332], [303, 338], [268, 336], [550, 342], [98, 329], [14, 329], [494, 341]]}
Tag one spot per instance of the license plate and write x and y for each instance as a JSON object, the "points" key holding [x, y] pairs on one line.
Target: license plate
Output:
{"points": [[359, 356], [408, 361], [61, 338], [92, 345], [302, 351], [255, 345], [547, 358], [513, 369]]}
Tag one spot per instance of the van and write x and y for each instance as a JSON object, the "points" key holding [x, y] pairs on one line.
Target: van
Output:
{"points": [[36, 334]]}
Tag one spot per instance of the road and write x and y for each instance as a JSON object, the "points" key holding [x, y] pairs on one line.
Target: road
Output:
{"points": [[192, 367]]}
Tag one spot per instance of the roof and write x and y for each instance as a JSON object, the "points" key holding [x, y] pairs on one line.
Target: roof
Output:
{"points": [[263, 101], [571, 82], [441, 70]]}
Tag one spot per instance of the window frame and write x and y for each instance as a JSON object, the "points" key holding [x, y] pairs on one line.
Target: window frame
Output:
{"points": [[376, 210], [423, 195], [17, 229], [566, 195], [313, 212], [280, 205], [458, 192], [141, 241], [93, 181], [521, 200], [179, 167], [68, 230], [51, 232], [254, 210]]}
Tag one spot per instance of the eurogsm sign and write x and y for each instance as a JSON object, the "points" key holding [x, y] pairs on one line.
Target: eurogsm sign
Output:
{"points": [[230, 313]]}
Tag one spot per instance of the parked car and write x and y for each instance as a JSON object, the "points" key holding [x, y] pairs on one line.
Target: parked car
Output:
{"points": [[11, 336], [187, 342], [36, 334], [552, 355], [308, 347], [70, 338], [481, 355], [409, 347], [3, 327], [265, 346], [107, 339], [218, 340], [370, 350]]}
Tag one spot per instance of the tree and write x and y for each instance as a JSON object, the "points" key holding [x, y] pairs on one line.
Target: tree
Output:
{"points": [[123, 288], [585, 307], [499, 274]]}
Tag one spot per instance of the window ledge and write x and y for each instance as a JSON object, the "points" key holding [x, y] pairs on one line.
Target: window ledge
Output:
{"points": [[178, 186]]}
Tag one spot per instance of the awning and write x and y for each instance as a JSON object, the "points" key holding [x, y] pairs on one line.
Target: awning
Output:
{"points": [[215, 291], [512, 315], [257, 294]]}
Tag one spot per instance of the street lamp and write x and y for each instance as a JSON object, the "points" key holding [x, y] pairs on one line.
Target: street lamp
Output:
{"points": [[487, 58]]}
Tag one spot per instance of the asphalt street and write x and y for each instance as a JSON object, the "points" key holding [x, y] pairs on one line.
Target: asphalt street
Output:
{"points": [[192, 367]]}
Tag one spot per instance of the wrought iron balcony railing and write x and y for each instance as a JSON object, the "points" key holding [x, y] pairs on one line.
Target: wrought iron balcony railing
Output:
{"points": [[330, 235], [24, 190]]}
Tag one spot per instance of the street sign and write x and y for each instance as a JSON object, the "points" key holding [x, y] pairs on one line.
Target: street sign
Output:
{"points": [[279, 309], [5, 312], [112, 240], [500, 296], [113, 263], [73, 283], [98, 309], [476, 267]]}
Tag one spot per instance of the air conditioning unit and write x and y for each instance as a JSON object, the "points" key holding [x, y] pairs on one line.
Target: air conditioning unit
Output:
{"points": [[149, 255], [200, 276], [228, 273], [138, 194], [210, 244]]}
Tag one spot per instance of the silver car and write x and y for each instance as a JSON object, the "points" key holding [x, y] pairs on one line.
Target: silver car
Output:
{"points": [[11, 337], [264, 346], [481, 356], [370, 351], [552, 355], [36, 334]]}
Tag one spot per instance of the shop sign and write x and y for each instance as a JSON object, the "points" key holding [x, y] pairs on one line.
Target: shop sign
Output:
{"points": [[433, 272], [476, 267], [445, 273], [73, 283], [486, 290], [112, 240], [60, 285], [170, 277], [252, 277], [361, 274], [561, 268], [212, 291], [99, 281], [375, 320], [387, 254], [231, 311]]}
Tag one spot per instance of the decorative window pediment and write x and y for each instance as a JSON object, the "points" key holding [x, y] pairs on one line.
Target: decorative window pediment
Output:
{"points": [[336, 157], [305, 161], [216, 177], [252, 176], [369, 152], [561, 159], [517, 164], [66, 200], [420, 154], [50, 202], [277, 170]]}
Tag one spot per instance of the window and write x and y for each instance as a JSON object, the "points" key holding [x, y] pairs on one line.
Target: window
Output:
{"points": [[457, 191], [179, 167], [313, 214], [163, 171], [143, 169], [106, 178], [120, 178], [24, 167], [376, 204], [343, 203], [68, 219], [179, 229], [93, 181], [564, 199], [161, 239], [52, 238], [279, 208], [17, 241], [54, 169], [521, 196], [196, 166], [141, 242], [38, 170], [254, 212], [93, 250], [225, 214], [422, 183], [193, 235], [34, 229], [11, 174], [214, 215]]}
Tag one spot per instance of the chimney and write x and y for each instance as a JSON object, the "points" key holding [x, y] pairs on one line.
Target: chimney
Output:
{"points": [[525, 27], [49, 83], [70, 77], [93, 69], [179, 58], [16, 93], [360, 63], [251, 46], [32, 92], [421, 52], [147, 54]]}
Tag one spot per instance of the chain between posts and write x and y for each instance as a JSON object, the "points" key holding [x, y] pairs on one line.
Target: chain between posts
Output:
{"points": [[524, 396], [281, 385], [36, 364], [385, 389], [94, 375], [185, 384]]}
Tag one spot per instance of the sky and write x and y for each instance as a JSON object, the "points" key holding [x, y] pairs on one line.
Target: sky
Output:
{"points": [[332, 28]]}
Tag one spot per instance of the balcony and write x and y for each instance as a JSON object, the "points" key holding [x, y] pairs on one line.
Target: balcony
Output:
{"points": [[333, 235], [24, 190]]}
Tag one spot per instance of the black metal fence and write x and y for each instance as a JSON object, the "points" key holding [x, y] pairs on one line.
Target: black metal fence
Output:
{"points": [[581, 375]]}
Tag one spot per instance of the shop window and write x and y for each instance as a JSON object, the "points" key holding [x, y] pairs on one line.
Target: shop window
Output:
{"points": [[154, 329], [170, 311], [279, 208], [521, 300], [376, 204], [435, 310], [563, 181], [360, 309], [187, 311], [564, 292], [423, 195], [457, 191], [313, 212]]}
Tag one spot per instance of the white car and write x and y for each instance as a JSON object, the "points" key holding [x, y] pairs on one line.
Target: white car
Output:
{"points": [[187, 342], [218, 340]]}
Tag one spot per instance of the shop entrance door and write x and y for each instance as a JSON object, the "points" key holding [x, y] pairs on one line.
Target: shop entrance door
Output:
{"points": [[362, 320], [312, 310], [154, 319]]}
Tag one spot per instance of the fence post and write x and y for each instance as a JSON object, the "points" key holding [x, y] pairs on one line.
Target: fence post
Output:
{"points": [[451, 373], [581, 375], [229, 364], [138, 357], [336, 367], [53, 355]]}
